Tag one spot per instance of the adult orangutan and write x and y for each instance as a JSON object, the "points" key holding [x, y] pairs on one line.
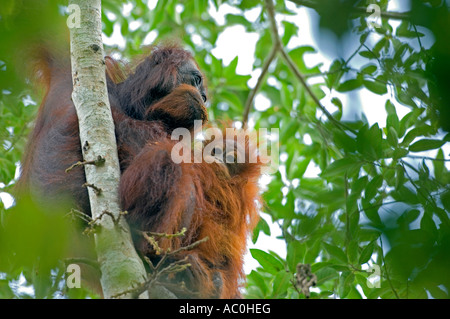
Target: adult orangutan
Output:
{"points": [[216, 200]]}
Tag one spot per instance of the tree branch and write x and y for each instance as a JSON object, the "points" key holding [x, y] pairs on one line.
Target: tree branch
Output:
{"points": [[278, 44], [251, 97], [121, 267]]}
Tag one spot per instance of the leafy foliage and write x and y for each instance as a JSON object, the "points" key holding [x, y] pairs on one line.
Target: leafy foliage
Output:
{"points": [[352, 194]]}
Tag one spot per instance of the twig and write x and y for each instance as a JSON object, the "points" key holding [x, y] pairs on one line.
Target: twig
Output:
{"points": [[93, 223], [76, 213], [428, 197], [99, 161], [251, 97], [387, 273], [179, 234], [17, 137], [158, 270], [152, 241], [191, 246], [150, 237], [97, 190], [294, 69]]}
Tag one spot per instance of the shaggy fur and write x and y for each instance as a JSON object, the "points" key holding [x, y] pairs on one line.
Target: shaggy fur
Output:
{"points": [[215, 200]]}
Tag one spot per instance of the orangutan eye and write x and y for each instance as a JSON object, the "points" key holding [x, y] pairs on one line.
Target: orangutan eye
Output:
{"points": [[230, 157], [218, 153], [197, 80]]}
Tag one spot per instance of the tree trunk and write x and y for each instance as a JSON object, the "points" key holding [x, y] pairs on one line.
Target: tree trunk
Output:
{"points": [[121, 267]]}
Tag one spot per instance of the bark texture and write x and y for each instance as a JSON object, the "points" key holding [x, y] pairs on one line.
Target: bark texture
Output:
{"points": [[121, 267]]}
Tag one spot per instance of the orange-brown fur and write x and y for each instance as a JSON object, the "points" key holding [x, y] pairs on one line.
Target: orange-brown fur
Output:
{"points": [[217, 201], [218, 205]]}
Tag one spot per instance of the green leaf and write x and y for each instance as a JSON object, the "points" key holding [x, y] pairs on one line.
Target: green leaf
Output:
{"points": [[399, 153], [354, 221], [295, 253], [406, 195], [399, 176], [325, 274], [335, 251], [427, 224], [340, 167], [408, 217], [297, 55], [390, 108], [445, 199], [425, 145], [367, 54], [289, 129], [371, 211], [369, 141], [289, 30], [415, 132], [370, 69], [280, 284], [392, 137], [233, 19], [258, 279], [349, 85], [366, 253], [5, 291], [376, 87], [334, 74], [337, 102], [439, 164], [373, 186], [302, 166], [342, 140], [268, 262], [352, 251], [346, 283], [249, 4], [403, 31], [262, 226]]}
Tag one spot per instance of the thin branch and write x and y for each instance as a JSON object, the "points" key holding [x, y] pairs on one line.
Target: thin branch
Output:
{"points": [[96, 189], [160, 269], [275, 48], [302, 80], [74, 213], [278, 47], [99, 161], [360, 10], [428, 197], [386, 270], [17, 137], [251, 97], [292, 66], [347, 213], [181, 233], [191, 246], [152, 241]]}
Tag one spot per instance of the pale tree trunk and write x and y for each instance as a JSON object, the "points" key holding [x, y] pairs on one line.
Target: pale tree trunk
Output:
{"points": [[121, 267]]}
